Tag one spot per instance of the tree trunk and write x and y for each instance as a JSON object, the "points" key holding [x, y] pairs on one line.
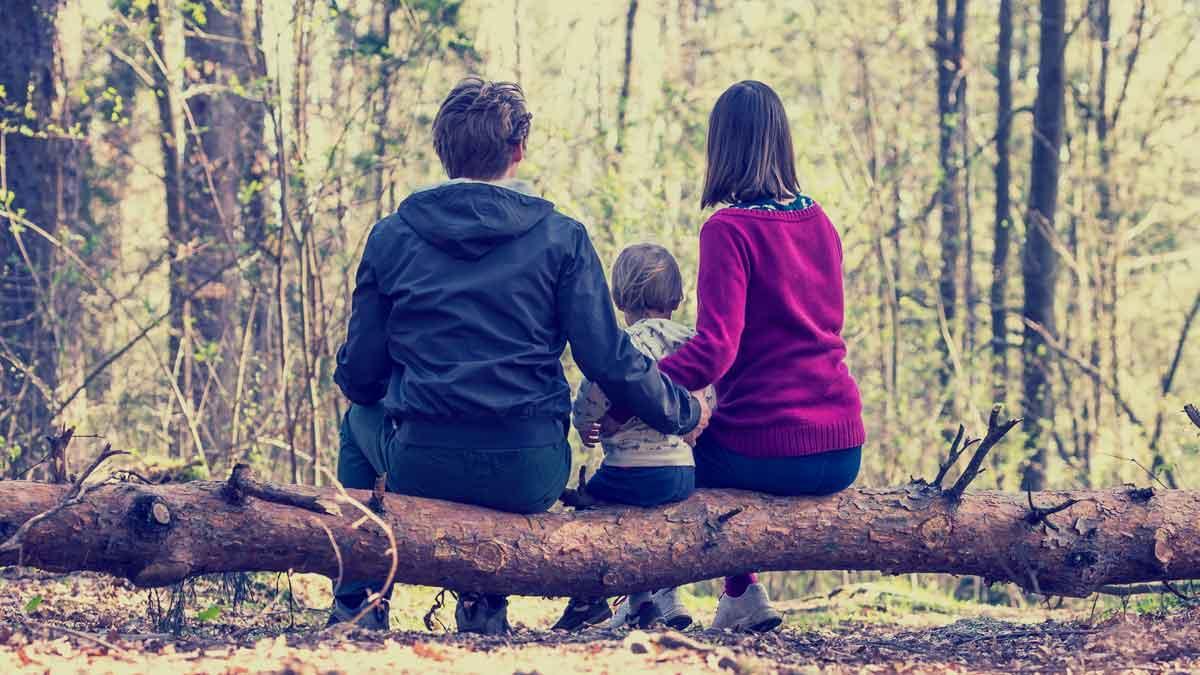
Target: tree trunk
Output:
{"points": [[35, 174], [626, 78], [224, 169], [1039, 260], [948, 50], [166, 101], [157, 535], [1003, 223]]}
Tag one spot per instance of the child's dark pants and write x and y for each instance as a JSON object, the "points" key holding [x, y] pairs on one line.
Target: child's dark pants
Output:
{"points": [[643, 486]]}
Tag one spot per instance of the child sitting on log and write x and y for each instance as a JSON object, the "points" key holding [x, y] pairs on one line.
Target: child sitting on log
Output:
{"points": [[641, 466]]}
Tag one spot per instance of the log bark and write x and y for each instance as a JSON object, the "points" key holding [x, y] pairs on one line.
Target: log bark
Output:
{"points": [[156, 535]]}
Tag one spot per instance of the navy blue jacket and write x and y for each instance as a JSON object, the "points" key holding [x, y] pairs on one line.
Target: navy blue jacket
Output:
{"points": [[464, 301]]}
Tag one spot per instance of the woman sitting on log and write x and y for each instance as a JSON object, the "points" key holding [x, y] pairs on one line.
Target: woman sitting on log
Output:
{"points": [[768, 330], [464, 302]]}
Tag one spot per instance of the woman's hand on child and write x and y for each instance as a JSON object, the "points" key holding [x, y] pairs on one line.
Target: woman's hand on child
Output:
{"points": [[609, 426], [705, 416]]}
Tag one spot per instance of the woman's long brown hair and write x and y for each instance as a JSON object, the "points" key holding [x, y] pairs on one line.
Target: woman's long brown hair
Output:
{"points": [[750, 152]]}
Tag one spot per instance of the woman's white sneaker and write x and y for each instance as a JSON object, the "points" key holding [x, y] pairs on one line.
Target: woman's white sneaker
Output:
{"points": [[751, 611]]}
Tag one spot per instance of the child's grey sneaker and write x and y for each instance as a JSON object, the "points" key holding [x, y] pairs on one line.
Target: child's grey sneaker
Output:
{"points": [[638, 611], [670, 610], [751, 611], [375, 618], [483, 614]]}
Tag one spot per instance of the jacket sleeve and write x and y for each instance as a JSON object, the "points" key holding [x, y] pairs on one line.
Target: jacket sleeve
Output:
{"points": [[721, 289], [363, 364], [606, 355], [590, 406]]}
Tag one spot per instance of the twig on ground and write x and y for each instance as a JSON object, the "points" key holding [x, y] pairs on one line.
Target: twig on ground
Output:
{"points": [[74, 496], [1028, 633], [996, 432], [82, 636]]}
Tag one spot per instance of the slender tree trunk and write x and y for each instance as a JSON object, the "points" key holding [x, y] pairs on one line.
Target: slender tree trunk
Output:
{"points": [[224, 168], [1039, 260], [36, 175], [381, 111], [951, 85], [166, 98], [626, 77], [1003, 219], [305, 249]]}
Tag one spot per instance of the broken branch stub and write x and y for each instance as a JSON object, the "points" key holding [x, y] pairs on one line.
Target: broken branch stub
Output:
{"points": [[997, 430], [241, 483], [956, 451]]}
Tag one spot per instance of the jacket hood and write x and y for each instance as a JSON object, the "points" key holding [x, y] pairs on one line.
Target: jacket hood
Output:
{"points": [[468, 219]]}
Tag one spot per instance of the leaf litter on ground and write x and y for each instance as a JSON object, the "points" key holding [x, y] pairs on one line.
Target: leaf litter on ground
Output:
{"points": [[87, 623]]}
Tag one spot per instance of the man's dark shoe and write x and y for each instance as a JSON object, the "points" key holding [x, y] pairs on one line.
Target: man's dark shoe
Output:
{"points": [[483, 614], [375, 618], [583, 612]]}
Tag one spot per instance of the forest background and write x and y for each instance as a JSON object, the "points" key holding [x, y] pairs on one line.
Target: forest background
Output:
{"points": [[187, 187]]}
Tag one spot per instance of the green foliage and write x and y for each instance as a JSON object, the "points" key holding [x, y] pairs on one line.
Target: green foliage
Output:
{"points": [[208, 614], [33, 604], [194, 11]]}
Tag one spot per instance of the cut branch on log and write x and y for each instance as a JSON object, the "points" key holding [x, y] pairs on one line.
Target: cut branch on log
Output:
{"points": [[957, 448], [60, 471], [241, 484], [997, 430], [1040, 515], [1108, 537], [74, 495]]}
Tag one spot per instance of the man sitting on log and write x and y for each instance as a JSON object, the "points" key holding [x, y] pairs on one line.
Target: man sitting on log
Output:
{"points": [[464, 302]]}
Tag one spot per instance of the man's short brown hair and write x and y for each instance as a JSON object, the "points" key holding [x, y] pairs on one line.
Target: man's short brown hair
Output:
{"points": [[646, 278], [478, 126]]}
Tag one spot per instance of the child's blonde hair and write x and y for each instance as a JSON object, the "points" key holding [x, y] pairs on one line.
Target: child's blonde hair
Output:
{"points": [[646, 278]]}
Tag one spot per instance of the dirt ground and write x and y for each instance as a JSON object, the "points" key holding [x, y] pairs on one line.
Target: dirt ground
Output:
{"points": [[95, 624]]}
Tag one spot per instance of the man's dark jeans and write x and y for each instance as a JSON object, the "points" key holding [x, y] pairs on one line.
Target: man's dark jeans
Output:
{"points": [[517, 480]]}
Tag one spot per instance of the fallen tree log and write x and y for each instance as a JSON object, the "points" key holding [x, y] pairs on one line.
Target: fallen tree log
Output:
{"points": [[160, 534]]}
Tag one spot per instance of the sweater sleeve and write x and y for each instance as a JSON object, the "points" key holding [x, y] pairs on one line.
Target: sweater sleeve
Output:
{"points": [[721, 287]]}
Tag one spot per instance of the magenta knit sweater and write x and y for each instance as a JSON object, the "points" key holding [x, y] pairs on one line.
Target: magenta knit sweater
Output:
{"points": [[769, 335]]}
